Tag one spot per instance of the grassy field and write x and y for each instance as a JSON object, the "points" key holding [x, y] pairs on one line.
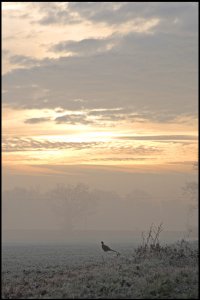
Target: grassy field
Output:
{"points": [[78, 272]]}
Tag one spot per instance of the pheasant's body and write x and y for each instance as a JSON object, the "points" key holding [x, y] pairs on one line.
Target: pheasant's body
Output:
{"points": [[106, 248]]}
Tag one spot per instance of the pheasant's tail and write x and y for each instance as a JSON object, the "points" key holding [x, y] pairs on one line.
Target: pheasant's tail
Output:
{"points": [[115, 252]]}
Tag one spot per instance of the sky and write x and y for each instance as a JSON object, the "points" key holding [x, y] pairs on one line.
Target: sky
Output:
{"points": [[99, 90]]}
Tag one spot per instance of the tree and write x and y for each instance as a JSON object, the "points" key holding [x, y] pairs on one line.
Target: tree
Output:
{"points": [[190, 190], [73, 204]]}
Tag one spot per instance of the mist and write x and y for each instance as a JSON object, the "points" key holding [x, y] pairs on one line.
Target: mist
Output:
{"points": [[103, 204]]}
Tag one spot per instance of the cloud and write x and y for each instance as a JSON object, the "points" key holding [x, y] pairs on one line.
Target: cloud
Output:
{"points": [[27, 61], [5, 52], [130, 114], [15, 144], [188, 162], [108, 112], [178, 142], [84, 47], [55, 13], [111, 80], [159, 137], [36, 120], [174, 16], [115, 114], [23, 60], [133, 115], [158, 84], [73, 119], [113, 14], [135, 150], [67, 13], [111, 114], [122, 159]]}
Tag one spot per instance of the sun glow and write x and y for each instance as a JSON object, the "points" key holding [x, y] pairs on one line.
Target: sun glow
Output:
{"points": [[12, 6], [72, 144]]}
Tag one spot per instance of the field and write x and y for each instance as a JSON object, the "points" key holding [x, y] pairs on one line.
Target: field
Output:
{"points": [[80, 271]]}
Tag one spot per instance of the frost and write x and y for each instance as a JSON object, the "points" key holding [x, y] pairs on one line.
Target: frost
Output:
{"points": [[69, 272]]}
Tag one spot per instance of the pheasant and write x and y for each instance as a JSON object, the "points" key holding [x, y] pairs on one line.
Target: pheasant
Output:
{"points": [[106, 248]]}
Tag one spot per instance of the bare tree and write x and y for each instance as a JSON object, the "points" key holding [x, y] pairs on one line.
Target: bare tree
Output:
{"points": [[190, 190], [150, 241], [73, 204]]}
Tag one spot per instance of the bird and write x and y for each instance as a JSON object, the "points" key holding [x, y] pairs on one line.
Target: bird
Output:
{"points": [[106, 248]]}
